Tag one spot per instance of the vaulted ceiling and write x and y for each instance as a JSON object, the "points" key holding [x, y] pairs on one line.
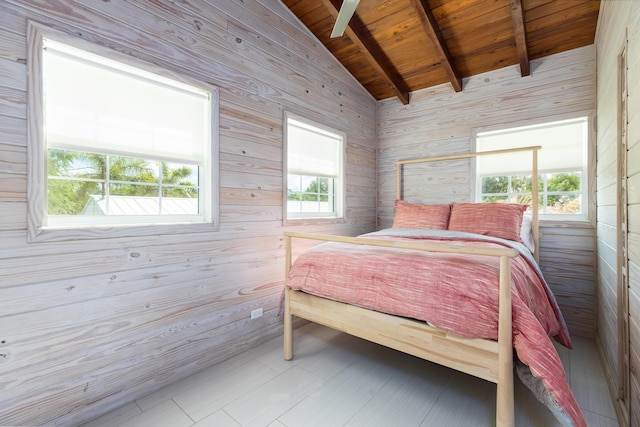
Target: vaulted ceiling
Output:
{"points": [[394, 47]]}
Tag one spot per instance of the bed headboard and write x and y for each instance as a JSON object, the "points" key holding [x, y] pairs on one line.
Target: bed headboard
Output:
{"points": [[534, 178]]}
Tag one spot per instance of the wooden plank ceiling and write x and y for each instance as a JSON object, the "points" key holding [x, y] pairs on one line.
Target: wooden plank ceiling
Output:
{"points": [[394, 47]]}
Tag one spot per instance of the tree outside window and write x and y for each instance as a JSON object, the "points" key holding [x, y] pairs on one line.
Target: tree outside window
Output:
{"points": [[310, 194], [74, 178], [559, 193]]}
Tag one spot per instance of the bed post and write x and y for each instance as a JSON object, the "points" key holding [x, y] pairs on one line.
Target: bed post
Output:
{"points": [[288, 326], [505, 415], [398, 181], [534, 203]]}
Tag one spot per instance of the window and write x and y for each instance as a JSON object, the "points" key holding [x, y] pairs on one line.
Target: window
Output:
{"points": [[314, 170], [562, 169], [117, 144]]}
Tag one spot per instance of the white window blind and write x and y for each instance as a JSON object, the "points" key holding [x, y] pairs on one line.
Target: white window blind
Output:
{"points": [[311, 151], [130, 112], [563, 148]]}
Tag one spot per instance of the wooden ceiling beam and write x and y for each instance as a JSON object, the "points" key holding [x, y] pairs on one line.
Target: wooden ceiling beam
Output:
{"points": [[358, 34], [432, 30], [517, 16]]}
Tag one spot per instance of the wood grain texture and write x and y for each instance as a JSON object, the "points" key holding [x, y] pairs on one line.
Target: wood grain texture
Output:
{"points": [[89, 324], [572, 279], [618, 20], [438, 41]]}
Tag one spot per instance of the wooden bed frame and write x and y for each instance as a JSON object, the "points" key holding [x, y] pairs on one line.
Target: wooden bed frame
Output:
{"points": [[487, 359]]}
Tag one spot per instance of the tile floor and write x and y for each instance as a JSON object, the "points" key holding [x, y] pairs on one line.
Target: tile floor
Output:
{"points": [[338, 380]]}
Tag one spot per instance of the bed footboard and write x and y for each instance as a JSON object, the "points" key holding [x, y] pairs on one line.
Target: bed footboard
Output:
{"points": [[486, 359]]}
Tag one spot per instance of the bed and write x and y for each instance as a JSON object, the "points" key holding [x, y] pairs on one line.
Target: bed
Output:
{"points": [[451, 270]]}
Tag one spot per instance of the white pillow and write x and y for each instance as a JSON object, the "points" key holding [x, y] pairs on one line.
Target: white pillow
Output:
{"points": [[526, 233]]}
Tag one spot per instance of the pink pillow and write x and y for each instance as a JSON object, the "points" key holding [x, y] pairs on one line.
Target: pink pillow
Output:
{"points": [[501, 220], [412, 215]]}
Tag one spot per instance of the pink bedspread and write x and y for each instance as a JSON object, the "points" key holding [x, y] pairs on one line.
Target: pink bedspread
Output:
{"points": [[454, 292]]}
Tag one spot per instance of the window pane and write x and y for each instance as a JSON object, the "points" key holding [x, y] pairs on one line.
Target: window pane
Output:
{"points": [[177, 173], [323, 185], [315, 197], [495, 185], [132, 169], [66, 197], [180, 192], [565, 204], [564, 181], [310, 185], [130, 205], [72, 163], [522, 199], [495, 199], [521, 184], [563, 191], [72, 178], [187, 205], [309, 206], [133, 191], [294, 184]]}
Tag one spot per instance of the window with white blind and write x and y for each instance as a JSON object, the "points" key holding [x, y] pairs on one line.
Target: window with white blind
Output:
{"points": [[562, 167], [315, 176], [118, 144]]}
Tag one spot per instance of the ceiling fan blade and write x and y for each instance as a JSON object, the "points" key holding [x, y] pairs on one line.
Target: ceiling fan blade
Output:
{"points": [[344, 16]]}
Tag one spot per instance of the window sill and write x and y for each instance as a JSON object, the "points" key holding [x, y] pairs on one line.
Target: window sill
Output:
{"points": [[62, 234], [312, 221], [576, 223]]}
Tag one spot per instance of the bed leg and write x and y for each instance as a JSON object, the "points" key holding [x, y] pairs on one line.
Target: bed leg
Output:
{"points": [[288, 328], [505, 413]]}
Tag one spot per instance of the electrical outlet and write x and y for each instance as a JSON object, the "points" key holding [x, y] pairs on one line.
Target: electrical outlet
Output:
{"points": [[256, 313]]}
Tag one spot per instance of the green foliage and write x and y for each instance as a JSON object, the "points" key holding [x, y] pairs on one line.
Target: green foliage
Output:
{"points": [[500, 184], [69, 197], [564, 182], [495, 184], [317, 190], [75, 176], [498, 189]]}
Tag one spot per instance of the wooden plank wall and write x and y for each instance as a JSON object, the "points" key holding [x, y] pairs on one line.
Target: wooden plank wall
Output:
{"points": [[439, 121], [89, 325], [616, 19]]}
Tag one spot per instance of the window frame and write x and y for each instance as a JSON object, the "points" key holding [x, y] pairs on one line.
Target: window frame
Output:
{"points": [[38, 229], [588, 167], [340, 187]]}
